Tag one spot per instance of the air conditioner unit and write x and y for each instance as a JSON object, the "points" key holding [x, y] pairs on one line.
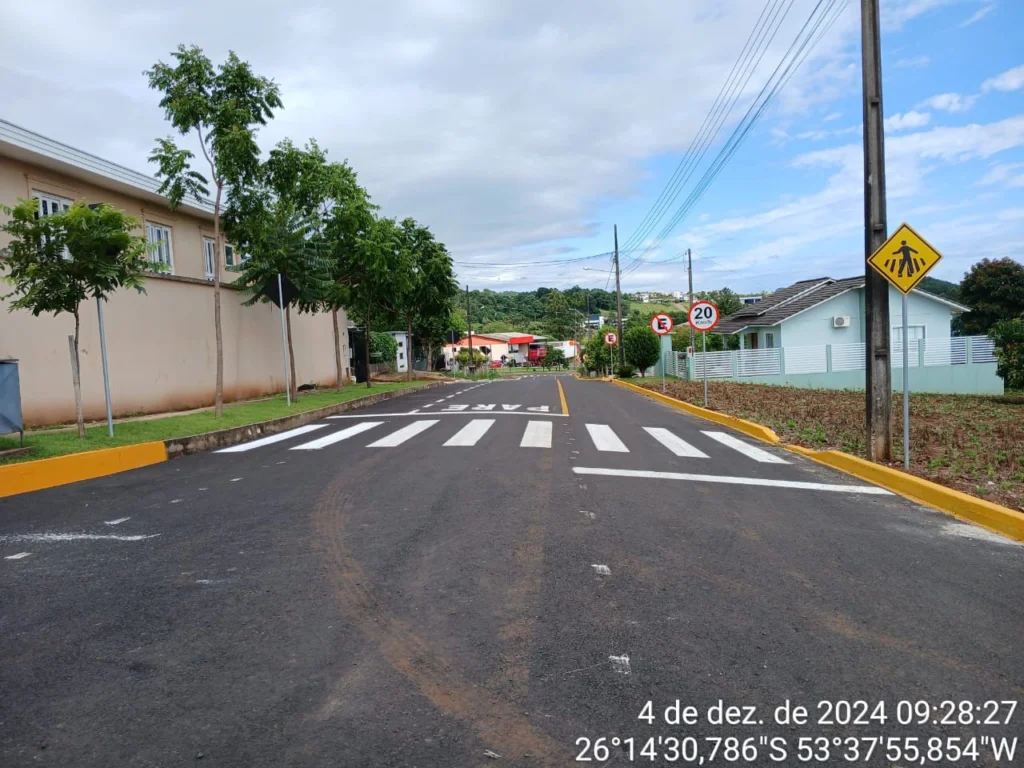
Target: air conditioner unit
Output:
{"points": [[841, 321]]}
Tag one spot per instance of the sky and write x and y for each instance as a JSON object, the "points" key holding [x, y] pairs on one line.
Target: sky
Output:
{"points": [[521, 132]]}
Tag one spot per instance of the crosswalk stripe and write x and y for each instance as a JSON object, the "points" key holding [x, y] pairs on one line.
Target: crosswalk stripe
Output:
{"points": [[677, 445], [751, 451], [605, 439], [537, 435], [470, 434], [242, 447], [337, 437], [400, 436]]}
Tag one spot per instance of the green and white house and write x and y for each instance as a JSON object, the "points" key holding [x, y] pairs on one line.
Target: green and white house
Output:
{"points": [[811, 334]]}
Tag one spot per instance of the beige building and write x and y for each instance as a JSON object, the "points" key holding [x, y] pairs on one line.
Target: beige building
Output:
{"points": [[161, 347]]}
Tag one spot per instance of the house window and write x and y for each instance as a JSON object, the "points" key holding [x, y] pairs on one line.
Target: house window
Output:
{"points": [[208, 259], [229, 255], [159, 237], [401, 344], [401, 355], [769, 341], [51, 204], [914, 333]]}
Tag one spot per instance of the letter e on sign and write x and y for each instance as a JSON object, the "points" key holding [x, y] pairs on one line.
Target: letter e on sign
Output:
{"points": [[662, 324], [704, 316]]}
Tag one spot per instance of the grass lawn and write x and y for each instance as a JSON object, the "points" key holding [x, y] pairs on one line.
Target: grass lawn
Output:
{"points": [[49, 442], [973, 443]]}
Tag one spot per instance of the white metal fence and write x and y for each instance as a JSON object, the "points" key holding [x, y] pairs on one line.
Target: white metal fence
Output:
{"points": [[824, 358]]}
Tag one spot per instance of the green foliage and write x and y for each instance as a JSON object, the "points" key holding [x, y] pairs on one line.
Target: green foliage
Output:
{"points": [[479, 358], [383, 348], [223, 106], [428, 300], [105, 254], [527, 310], [625, 371], [560, 321], [940, 288], [727, 301], [1008, 336], [642, 347], [596, 354], [554, 358], [994, 290]]}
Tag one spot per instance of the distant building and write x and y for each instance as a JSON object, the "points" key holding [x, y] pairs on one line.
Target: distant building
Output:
{"points": [[748, 300], [402, 355], [645, 297], [595, 321], [677, 295]]}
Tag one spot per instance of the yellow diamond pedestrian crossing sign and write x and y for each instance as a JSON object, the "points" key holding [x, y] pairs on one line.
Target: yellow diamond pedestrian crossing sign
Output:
{"points": [[904, 259]]}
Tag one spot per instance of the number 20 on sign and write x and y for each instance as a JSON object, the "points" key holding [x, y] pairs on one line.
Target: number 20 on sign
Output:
{"points": [[704, 316]]}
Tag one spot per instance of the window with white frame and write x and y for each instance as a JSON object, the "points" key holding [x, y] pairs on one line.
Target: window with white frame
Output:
{"points": [[159, 238], [208, 257], [229, 255], [914, 333], [51, 204], [769, 341]]}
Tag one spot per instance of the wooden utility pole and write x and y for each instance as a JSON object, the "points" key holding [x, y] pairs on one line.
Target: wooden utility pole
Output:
{"points": [[878, 366], [689, 272], [469, 329], [618, 297]]}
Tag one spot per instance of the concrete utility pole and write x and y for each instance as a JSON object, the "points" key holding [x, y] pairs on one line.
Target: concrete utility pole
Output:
{"points": [[689, 271], [878, 367], [469, 329], [618, 297]]}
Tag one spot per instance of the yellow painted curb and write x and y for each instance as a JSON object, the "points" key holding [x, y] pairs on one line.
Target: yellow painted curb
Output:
{"points": [[995, 517], [747, 427], [47, 473], [561, 396]]}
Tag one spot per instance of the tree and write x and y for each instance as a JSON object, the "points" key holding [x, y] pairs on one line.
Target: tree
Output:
{"points": [[463, 359], [555, 358], [559, 319], [222, 108], [383, 349], [994, 290], [282, 241], [58, 261], [1008, 336], [377, 272], [596, 354], [642, 347], [725, 299]]}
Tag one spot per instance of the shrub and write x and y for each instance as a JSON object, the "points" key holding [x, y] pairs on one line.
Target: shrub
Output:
{"points": [[625, 371], [1008, 336]]}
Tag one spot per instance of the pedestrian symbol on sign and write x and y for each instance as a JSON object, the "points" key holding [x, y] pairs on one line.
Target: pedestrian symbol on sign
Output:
{"points": [[904, 265], [908, 261]]}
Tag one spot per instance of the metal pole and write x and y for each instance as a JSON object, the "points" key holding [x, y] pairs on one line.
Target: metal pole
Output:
{"points": [[469, 328], [689, 271], [106, 373], [704, 364], [878, 365], [618, 297], [906, 389], [284, 343]]}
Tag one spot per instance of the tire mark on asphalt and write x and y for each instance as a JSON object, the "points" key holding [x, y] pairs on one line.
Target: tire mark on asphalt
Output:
{"points": [[500, 726]]}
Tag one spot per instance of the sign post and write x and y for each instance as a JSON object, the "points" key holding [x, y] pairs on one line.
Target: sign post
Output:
{"points": [[703, 317], [662, 325], [610, 338], [904, 266]]}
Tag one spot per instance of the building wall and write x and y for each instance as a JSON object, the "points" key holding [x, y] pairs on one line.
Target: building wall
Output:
{"points": [[402, 354], [160, 346]]}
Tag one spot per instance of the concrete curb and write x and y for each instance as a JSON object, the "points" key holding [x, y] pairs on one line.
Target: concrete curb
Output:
{"points": [[742, 425], [61, 470], [994, 517]]}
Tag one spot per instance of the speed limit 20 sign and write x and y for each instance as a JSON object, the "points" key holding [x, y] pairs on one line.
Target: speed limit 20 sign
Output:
{"points": [[703, 316]]}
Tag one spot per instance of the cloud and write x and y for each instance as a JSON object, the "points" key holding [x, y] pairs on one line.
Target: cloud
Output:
{"points": [[832, 116], [1004, 174], [1010, 80], [950, 102], [902, 122], [896, 13], [980, 14], [914, 62]]}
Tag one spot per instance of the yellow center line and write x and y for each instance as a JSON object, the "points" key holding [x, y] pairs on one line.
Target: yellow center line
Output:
{"points": [[561, 396]]}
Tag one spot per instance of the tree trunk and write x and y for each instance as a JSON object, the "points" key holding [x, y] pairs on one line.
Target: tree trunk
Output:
{"points": [[218, 402], [366, 345], [337, 350], [76, 379], [430, 355], [408, 347], [291, 351]]}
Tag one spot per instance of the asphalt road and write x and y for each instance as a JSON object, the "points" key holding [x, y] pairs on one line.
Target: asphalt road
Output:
{"points": [[359, 595]]}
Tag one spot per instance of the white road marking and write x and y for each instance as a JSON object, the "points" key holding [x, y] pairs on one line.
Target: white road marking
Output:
{"points": [[176, 501], [470, 434], [797, 484], [587, 514], [121, 519], [751, 451], [602, 570], [536, 435], [416, 411], [51, 537], [439, 401], [337, 437], [450, 410], [509, 407], [403, 434], [271, 439], [18, 556], [620, 664], [605, 439], [677, 445], [234, 479]]}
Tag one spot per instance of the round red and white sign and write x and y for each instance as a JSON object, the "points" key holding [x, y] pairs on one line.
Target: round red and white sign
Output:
{"points": [[703, 316], [610, 338], [662, 324]]}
